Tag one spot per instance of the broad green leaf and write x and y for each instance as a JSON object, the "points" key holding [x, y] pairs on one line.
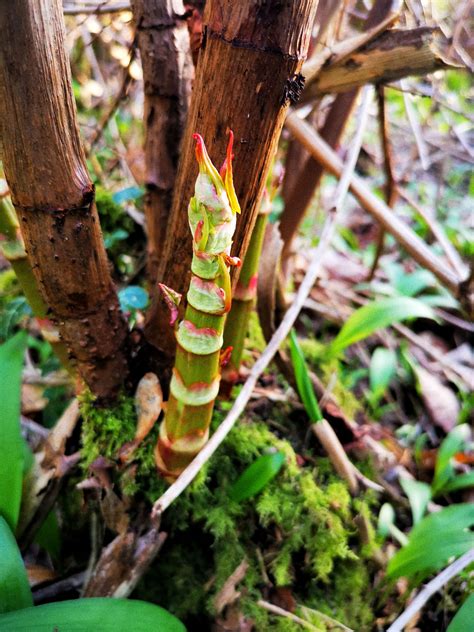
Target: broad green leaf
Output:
{"points": [[303, 380], [15, 591], [454, 442], [84, 615], [11, 463], [256, 476], [464, 617], [374, 316], [419, 495], [383, 366], [434, 540], [133, 297], [460, 481]]}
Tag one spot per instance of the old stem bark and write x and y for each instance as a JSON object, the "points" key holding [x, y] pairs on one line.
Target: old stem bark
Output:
{"points": [[168, 70], [251, 55], [46, 171]]}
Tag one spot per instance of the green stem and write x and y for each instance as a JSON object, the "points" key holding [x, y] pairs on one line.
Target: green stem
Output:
{"points": [[243, 303], [14, 252], [196, 374]]}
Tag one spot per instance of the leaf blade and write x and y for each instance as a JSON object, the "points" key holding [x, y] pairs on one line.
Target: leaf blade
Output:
{"points": [[377, 315], [15, 592], [434, 540], [303, 380], [11, 463], [256, 476], [112, 615]]}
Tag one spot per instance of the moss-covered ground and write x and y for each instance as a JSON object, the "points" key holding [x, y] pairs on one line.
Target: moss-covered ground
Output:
{"points": [[298, 535]]}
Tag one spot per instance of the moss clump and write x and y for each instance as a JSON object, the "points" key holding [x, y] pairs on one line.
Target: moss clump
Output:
{"points": [[106, 430], [297, 532]]}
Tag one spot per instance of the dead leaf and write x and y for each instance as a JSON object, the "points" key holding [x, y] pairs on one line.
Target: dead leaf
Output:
{"points": [[148, 403], [440, 401], [114, 512], [228, 594], [268, 279], [32, 400], [39, 574]]}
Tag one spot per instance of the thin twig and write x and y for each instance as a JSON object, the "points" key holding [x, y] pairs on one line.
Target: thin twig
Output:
{"points": [[430, 589], [288, 615], [439, 234], [391, 190], [376, 207], [97, 8], [415, 128]]}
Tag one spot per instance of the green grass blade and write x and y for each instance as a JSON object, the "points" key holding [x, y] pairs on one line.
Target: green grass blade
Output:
{"points": [[434, 540], [15, 592], [303, 380], [11, 463], [256, 476], [374, 316], [84, 615]]}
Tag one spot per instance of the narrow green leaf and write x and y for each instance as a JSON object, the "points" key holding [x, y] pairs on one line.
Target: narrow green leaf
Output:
{"points": [[11, 463], [303, 380], [383, 366], [81, 615], [461, 481], [15, 592], [374, 316], [454, 442], [434, 540], [419, 495], [464, 617], [256, 476]]}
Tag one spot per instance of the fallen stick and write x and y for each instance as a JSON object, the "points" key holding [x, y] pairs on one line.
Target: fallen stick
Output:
{"points": [[420, 252], [430, 589]]}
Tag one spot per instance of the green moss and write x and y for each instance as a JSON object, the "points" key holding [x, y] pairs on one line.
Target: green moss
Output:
{"points": [[300, 527]]}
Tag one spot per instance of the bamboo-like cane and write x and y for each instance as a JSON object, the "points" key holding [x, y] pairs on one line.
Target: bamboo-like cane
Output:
{"points": [[13, 249], [243, 302], [196, 374]]}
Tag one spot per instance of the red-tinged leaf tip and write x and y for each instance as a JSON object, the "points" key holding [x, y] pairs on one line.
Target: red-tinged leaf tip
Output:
{"points": [[200, 148], [232, 261], [172, 300], [227, 176], [205, 163], [225, 356]]}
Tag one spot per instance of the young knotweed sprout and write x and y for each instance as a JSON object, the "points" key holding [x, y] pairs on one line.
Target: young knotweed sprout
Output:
{"points": [[197, 370]]}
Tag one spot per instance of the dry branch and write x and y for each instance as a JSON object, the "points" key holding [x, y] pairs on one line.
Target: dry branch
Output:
{"points": [[298, 198], [246, 76], [373, 205], [168, 70], [394, 54], [46, 171]]}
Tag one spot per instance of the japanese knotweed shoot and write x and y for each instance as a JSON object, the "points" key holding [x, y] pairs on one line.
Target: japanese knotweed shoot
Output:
{"points": [[197, 370]]}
